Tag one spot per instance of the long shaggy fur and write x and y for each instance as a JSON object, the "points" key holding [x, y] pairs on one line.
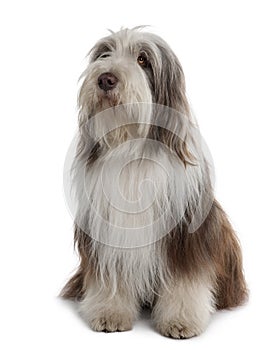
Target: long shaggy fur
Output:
{"points": [[182, 274]]}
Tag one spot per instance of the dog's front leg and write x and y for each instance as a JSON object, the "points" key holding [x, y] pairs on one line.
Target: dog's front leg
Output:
{"points": [[107, 310], [184, 309]]}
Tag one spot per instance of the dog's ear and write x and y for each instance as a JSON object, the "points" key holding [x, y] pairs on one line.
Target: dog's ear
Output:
{"points": [[169, 81]]}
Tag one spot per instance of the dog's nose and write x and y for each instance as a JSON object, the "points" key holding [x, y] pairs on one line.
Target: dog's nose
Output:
{"points": [[107, 81]]}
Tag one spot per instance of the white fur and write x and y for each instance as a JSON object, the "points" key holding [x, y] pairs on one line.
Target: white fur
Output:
{"points": [[133, 195], [104, 311], [184, 310], [136, 195]]}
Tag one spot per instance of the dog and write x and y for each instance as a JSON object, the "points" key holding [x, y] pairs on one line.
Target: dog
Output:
{"points": [[148, 229]]}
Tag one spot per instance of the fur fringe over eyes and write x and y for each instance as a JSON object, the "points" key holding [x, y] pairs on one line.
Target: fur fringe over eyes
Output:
{"points": [[202, 270]]}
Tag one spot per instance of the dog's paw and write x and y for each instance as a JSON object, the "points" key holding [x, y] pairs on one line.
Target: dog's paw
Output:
{"points": [[177, 330], [111, 323]]}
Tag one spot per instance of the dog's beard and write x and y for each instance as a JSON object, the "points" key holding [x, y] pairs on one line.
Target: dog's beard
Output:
{"points": [[121, 123]]}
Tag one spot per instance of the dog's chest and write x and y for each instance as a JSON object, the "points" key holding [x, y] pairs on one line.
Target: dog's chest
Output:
{"points": [[136, 196]]}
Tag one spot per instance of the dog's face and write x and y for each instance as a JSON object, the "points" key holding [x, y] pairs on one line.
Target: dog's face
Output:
{"points": [[131, 66]]}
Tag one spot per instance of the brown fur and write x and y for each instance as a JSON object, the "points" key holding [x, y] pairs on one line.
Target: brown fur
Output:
{"points": [[213, 248], [76, 286]]}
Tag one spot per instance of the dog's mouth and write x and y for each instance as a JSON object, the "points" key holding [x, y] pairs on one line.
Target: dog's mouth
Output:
{"points": [[108, 99]]}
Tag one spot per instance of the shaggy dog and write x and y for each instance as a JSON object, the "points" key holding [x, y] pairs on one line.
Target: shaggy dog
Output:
{"points": [[147, 227]]}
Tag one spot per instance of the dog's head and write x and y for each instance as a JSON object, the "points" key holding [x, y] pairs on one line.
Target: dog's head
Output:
{"points": [[131, 66]]}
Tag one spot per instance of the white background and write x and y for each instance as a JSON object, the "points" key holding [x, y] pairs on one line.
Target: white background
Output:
{"points": [[231, 57]]}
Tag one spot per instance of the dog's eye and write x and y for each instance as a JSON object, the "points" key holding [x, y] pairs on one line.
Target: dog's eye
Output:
{"points": [[142, 60], [105, 55]]}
